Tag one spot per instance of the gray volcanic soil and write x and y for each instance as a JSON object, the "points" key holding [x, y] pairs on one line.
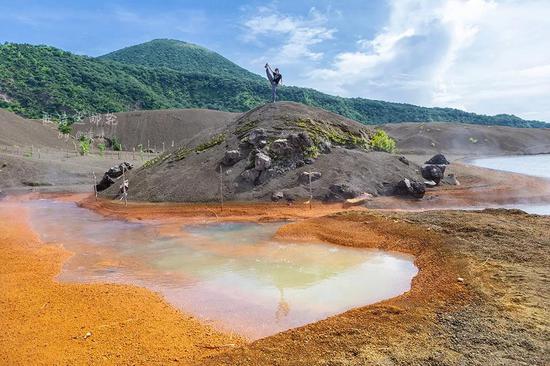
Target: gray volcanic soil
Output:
{"points": [[469, 140], [153, 128], [191, 172]]}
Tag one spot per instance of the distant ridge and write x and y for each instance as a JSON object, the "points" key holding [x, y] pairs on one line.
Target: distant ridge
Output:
{"points": [[164, 74]]}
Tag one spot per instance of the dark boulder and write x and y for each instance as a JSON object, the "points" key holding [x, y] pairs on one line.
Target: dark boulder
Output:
{"points": [[262, 161], [231, 157], [438, 159], [433, 172], [300, 141], [277, 196], [410, 188], [105, 183], [325, 147], [257, 137]]}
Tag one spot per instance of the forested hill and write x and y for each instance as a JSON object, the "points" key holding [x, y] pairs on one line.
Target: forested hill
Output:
{"points": [[41, 79], [179, 56]]}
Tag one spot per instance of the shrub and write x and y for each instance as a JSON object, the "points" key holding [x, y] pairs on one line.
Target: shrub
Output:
{"points": [[101, 148], [115, 144], [382, 142], [84, 145], [64, 128]]}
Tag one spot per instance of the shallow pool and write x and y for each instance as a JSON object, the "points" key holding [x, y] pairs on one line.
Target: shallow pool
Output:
{"points": [[232, 275]]}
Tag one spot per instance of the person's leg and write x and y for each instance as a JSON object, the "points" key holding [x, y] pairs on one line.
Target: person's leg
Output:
{"points": [[273, 92], [269, 76]]}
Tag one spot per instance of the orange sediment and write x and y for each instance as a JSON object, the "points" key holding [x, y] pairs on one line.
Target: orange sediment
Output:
{"points": [[45, 322]]}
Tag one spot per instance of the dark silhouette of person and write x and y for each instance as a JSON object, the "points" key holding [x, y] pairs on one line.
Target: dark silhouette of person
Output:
{"points": [[275, 78]]}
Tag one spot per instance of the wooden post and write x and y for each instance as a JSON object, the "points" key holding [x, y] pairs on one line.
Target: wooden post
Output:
{"points": [[221, 187], [172, 143], [310, 192], [133, 153], [163, 147], [38, 153], [148, 147], [95, 185]]}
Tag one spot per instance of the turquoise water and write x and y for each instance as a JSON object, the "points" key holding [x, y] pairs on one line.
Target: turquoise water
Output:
{"points": [[234, 276], [535, 165]]}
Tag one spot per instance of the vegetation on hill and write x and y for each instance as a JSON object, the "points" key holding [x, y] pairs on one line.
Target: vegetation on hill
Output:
{"points": [[41, 79], [179, 56]]}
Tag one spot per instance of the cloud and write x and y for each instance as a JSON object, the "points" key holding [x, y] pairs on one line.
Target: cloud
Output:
{"points": [[291, 38], [486, 56]]}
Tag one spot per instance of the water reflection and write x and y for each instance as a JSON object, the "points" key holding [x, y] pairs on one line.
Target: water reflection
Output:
{"points": [[231, 274]]}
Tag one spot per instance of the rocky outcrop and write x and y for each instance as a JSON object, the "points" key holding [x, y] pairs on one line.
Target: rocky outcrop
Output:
{"points": [[409, 188], [258, 137], [450, 180], [438, 159]]}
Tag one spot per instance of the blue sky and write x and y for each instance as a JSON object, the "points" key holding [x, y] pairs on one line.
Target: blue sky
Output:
{"points": [[484, 56]]}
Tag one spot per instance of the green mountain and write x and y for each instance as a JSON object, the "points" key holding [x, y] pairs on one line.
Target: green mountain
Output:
{"points": [[179, 56], [165, 74]]}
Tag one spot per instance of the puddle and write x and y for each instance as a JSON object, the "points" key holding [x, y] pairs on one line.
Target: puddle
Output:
{"points": [[234, 276]]}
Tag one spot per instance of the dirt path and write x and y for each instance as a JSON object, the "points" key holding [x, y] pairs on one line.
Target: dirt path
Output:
{"points": [[45, 322]]}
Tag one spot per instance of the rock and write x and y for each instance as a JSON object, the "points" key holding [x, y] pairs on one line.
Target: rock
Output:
{"points": [[87, 335], [149, 151], [300, 163], [105, 183], [261, 144], [250, 175], [404, 160], [256, 136], [430, 183], [261, 161], [300, 141], [309, 160], [231, 157], [406, 187], [359, 200], [303, 178], [433, 172], [277, 196], [265, 175], [341, 192], [325, 147], [438, 159], [460, 279], [280, 148], [450, 180]]}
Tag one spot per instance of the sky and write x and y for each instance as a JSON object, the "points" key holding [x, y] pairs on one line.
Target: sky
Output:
{"points": [[483, 56]]}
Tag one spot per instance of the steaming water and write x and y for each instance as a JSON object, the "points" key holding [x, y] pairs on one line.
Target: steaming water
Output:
{"points": [[233, 275], [535, 165]]}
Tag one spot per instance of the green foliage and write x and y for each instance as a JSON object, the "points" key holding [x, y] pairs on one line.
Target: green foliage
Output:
{"points": [[64, 128], [115, 144], [84, 145], [382, 142], [171, 74], [216, 140], [101, 148], [319, 131]]}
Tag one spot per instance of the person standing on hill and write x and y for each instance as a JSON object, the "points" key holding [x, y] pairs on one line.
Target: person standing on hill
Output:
{"points": [[275, 78]]}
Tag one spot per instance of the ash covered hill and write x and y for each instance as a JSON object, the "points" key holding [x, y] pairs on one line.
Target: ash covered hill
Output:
{"points": [[163, 74], [468, 139], [267, 153]]}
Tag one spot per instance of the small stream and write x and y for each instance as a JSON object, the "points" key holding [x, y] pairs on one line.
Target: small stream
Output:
{"points": [[234, 276]]}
